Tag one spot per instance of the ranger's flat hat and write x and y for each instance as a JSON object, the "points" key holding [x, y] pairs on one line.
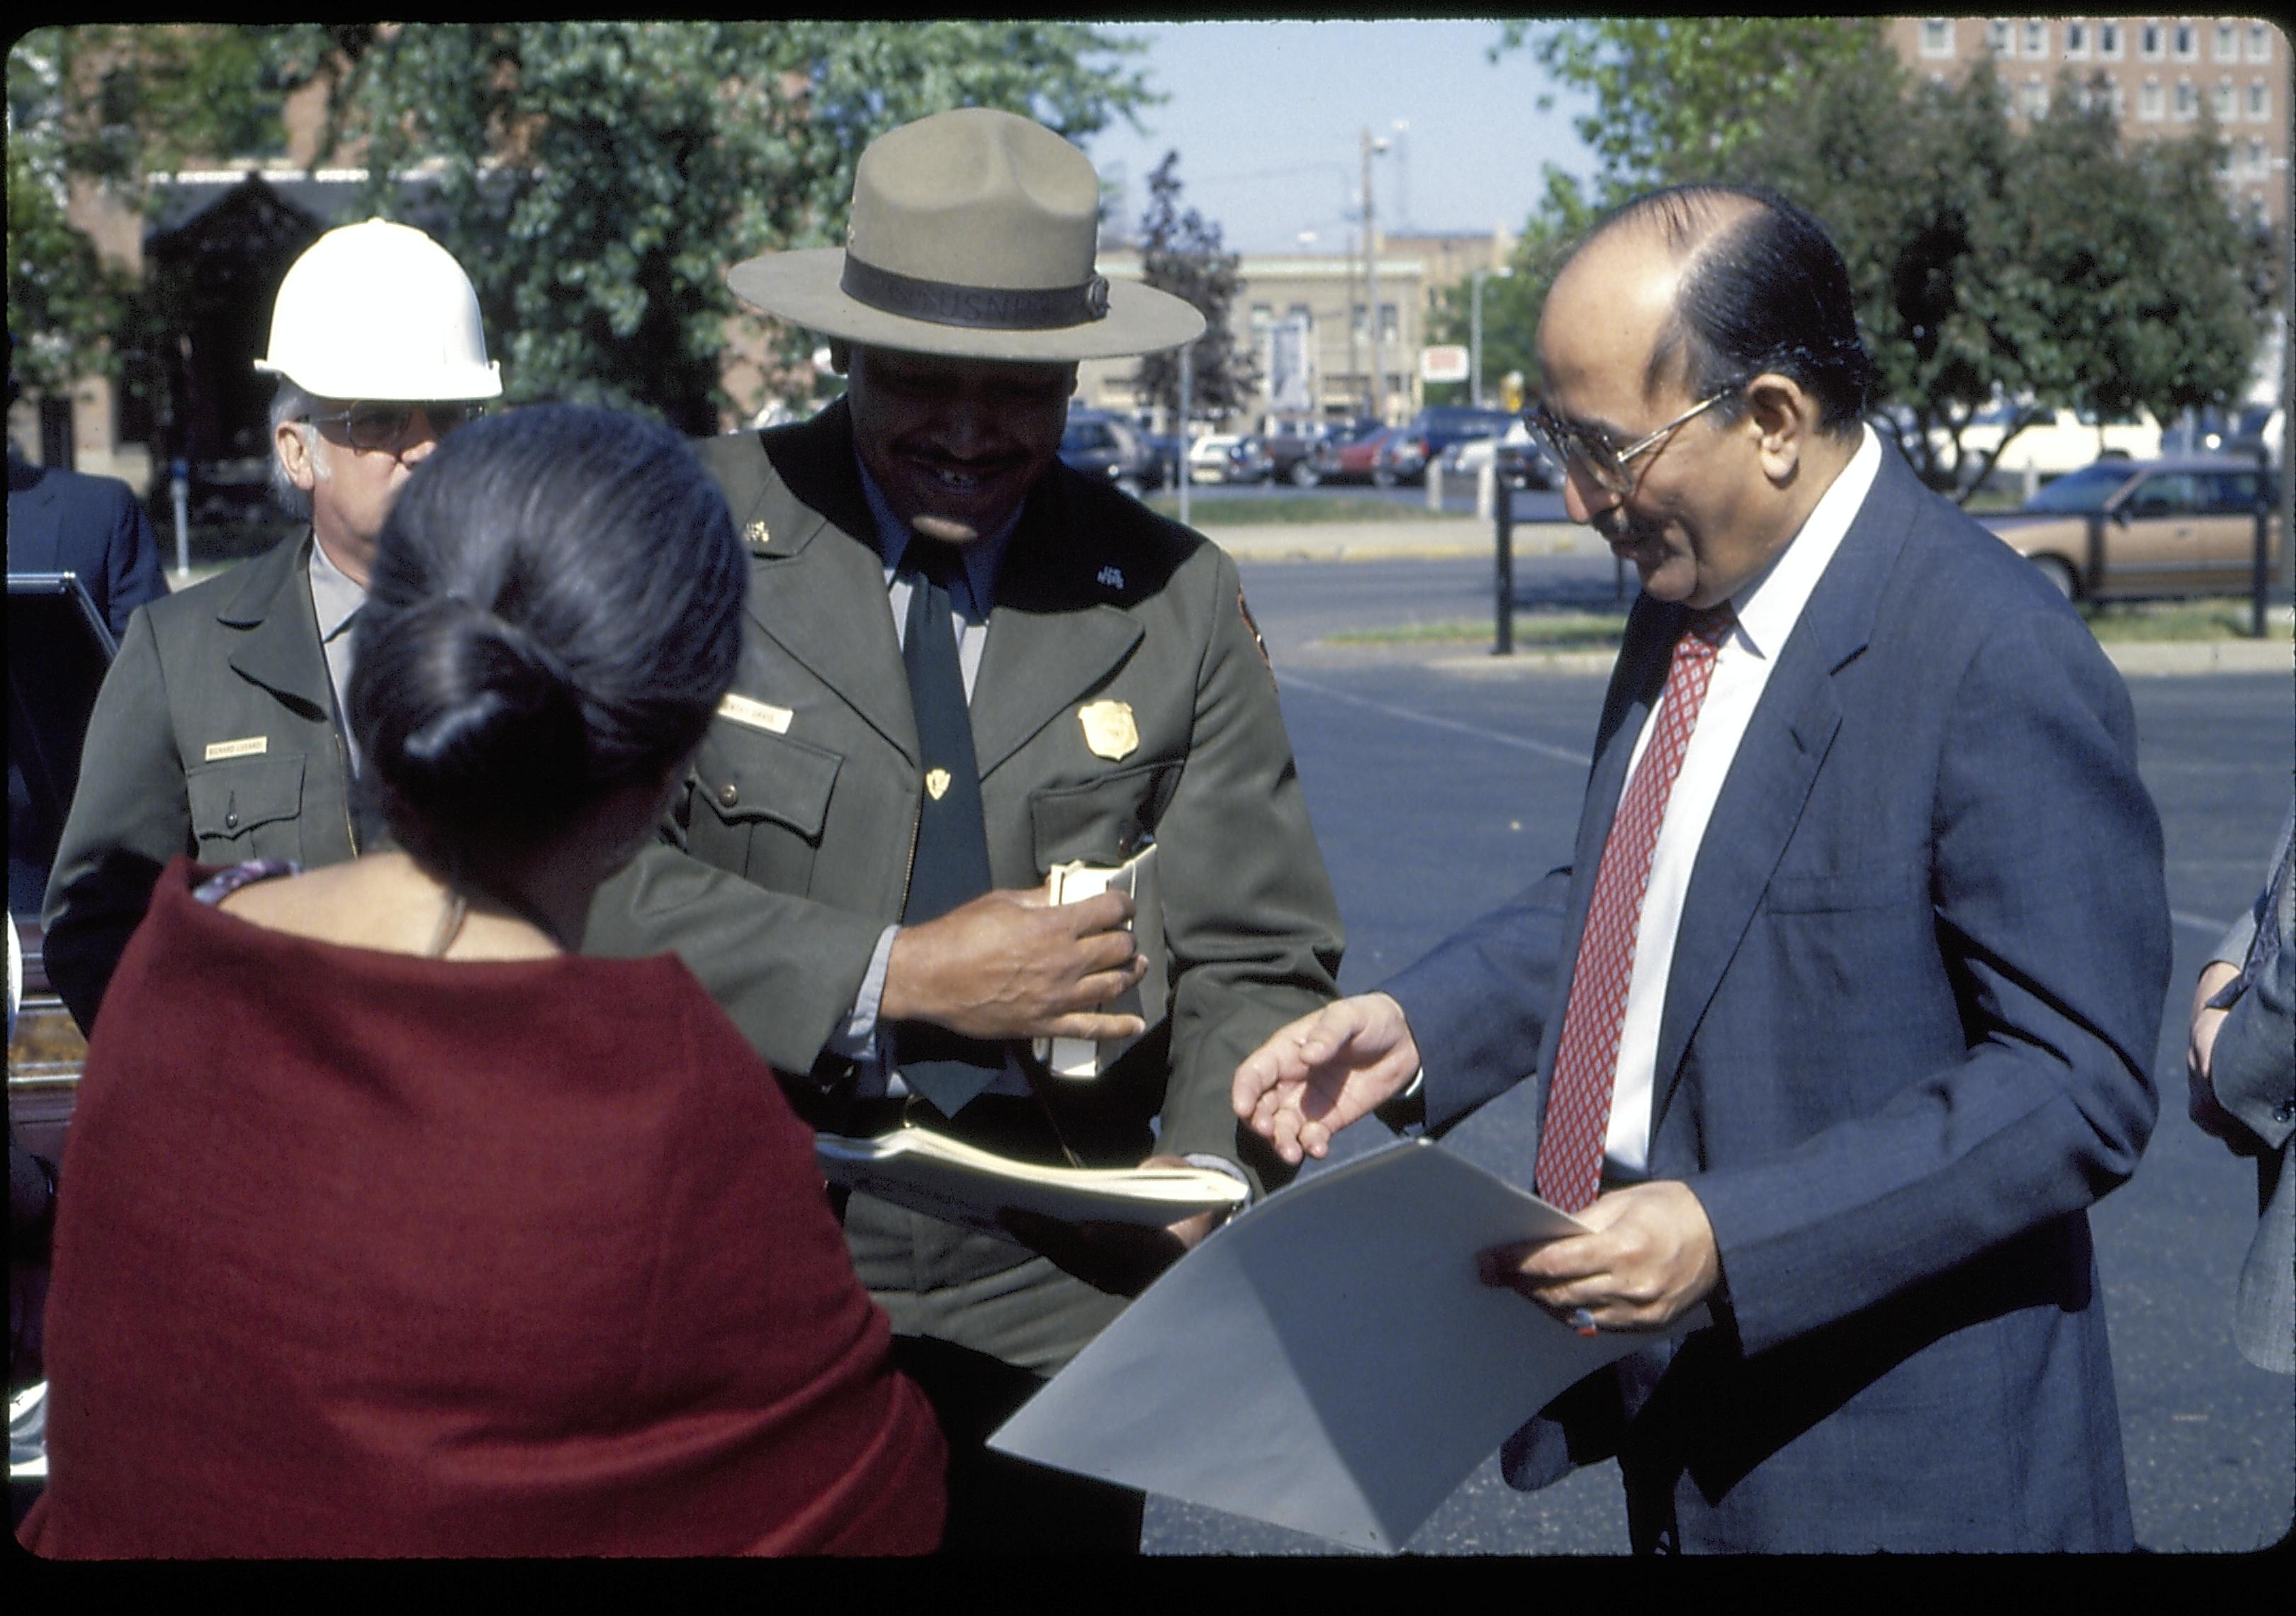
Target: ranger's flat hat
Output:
{"points": [[972, 235]]}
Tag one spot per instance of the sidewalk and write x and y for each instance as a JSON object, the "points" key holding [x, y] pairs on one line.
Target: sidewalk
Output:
{"points": [[1430, 538]]}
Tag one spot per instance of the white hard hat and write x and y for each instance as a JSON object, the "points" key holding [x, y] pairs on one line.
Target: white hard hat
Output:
{"points": [[380, 310]]}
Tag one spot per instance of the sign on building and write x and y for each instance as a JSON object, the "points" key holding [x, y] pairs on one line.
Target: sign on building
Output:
{"points": [[1447, 362], [1291, 383]]}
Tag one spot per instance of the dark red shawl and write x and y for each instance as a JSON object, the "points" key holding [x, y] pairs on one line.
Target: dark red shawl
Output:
{"points": [[359, 1253]]}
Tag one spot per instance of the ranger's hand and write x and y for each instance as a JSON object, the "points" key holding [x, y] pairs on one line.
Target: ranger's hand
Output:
{"points": [[1010, 965], [1122, 1258]]}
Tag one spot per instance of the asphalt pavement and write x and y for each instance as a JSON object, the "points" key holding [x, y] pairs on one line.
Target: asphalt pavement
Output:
{"points": [[1441, 777]]}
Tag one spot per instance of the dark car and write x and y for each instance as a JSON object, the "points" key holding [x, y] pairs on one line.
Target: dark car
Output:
{"points": [[1354, 460], [2185, 526], [1427, 434], [1248, 460], [1331, 460], [1102, 445]]}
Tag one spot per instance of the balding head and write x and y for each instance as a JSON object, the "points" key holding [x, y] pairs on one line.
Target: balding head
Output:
{"points": [[1754, 285], [1702, 384]]}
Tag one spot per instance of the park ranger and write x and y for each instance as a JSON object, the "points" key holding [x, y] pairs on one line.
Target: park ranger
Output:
{"points": [[218, 732], [966, 664]]}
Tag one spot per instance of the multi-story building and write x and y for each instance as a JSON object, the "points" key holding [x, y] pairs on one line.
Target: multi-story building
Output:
{"points": [[2159, 75], [1307, 318]]}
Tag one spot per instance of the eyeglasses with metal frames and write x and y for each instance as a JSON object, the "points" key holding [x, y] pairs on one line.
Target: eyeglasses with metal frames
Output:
{"points": [[1586, 450], [374, 424]]}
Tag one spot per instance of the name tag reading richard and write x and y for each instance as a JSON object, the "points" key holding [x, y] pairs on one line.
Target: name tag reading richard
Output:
{"points": [[250, 746], [757, 714]]}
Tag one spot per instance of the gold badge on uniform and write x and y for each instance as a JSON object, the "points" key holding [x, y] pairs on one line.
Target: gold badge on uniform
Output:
{"points": [[757, 534], [1108, 729], [936, 783]]}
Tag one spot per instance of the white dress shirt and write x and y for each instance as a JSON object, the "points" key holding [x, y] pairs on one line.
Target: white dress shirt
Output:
{"points": [[1766, 609]]}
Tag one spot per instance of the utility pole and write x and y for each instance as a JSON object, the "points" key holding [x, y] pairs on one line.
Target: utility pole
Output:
{"points": [[1475, 324], [1371, 282]]}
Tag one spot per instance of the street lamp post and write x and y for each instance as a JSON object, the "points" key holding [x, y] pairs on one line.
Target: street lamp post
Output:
{"points": [[1371, 148], [1475, 324]]}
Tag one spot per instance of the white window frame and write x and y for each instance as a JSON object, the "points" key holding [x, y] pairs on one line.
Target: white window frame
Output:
{"points": [[2151, 42], [2259, 157], [2227, 48], [2001, 36], [2228, 101], [2036, 97], [1936, 37], [2076, 42], [2259, 42], [2152, 101], [2112, 40], [2187, 103], [2036, 38], [2259, 100]]}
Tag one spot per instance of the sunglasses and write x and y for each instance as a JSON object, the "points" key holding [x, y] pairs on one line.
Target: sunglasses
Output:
{"points": [[1588, 453], [371, 425]]}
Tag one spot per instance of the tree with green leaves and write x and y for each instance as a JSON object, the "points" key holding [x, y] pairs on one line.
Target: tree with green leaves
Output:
{"points": [[2041, 266], [1181, 253], [596, 178], [103, 105]]}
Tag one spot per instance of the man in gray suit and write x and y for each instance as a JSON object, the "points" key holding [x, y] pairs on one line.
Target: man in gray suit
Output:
{"points": [[1844, 1012], [2241, 1065]]}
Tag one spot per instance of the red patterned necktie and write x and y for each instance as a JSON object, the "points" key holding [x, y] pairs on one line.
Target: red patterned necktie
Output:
{"points": [[1586, 1057]]}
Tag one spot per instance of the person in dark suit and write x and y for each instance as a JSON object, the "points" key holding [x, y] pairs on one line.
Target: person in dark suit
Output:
{"points": [[91, 526], [1844, 1012], [2240, 1069]]}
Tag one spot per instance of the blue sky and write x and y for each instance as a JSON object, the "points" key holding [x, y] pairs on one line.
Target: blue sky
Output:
{"points": [[1269, 119]]}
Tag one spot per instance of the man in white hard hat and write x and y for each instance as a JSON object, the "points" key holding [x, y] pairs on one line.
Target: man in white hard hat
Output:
{"points": [[220, 730], [967, 664]]}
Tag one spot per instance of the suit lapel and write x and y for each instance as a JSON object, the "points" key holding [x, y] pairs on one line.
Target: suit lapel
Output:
{"points": [[276, 642], [1051, 640], [1785, 743]]}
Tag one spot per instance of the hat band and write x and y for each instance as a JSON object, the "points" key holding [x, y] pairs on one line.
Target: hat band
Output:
{"points": [[980, 307]]}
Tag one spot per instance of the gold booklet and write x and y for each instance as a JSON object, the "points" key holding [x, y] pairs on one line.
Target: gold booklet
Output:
{"points": [[1150, 997]]}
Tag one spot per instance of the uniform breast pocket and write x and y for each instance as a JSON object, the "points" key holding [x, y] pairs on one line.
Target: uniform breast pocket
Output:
{"points": [[249, 808], [761, 801], [1103, 822]]}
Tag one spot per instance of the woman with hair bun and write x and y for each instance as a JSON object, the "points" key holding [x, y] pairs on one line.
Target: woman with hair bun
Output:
{"points": [[396, 1226]]}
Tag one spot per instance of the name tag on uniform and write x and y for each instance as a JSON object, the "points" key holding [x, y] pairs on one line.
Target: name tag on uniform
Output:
{"points": [[757, 714], [250, 746]]}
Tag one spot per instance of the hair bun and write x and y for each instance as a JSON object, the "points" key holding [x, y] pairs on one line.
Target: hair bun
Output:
{"points": [[506, 718]]}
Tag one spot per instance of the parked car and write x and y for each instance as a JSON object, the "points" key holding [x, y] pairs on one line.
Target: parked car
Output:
{"points": [[1428, 433], [1290, 445], [1522, 459], [1103, 445], [2061, 441], [1163, 453], [1355, 460], [1208, 456], [1249, 462], [2185, 526]]}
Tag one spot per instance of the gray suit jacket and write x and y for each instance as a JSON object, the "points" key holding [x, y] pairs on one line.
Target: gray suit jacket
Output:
{"points": [[2253, 1071], [1907, 1040], [215, 735]]}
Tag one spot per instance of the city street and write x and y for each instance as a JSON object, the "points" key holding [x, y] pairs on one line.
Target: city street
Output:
{"points": [[1442, 777]]}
